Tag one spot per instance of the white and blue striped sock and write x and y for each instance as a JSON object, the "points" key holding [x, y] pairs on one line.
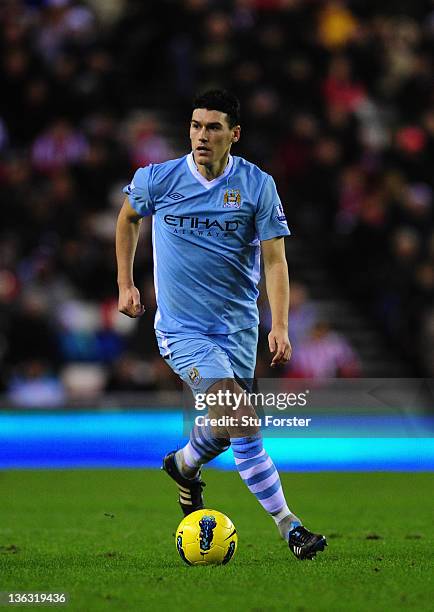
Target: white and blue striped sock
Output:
{"points": [[261, 477], [201, 448]]}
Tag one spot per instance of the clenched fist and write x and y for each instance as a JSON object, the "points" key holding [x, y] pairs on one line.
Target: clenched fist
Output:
{"points": [[129, 302]]}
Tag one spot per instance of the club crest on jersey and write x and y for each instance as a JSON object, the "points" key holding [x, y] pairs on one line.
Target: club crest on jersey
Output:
{"points": [[194, 376], [232, 198]]}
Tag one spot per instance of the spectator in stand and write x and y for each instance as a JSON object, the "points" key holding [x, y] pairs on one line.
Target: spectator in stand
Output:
{"points": [[336, 25], [303, 314], [324, 354], [340, 89], [59, 146], [35, 385], [144, 142]]}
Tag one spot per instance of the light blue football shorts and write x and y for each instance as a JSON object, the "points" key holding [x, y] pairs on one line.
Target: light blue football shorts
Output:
{"points": [[202, 359]]}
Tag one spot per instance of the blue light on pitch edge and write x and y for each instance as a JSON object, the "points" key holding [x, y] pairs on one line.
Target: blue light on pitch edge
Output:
{"points": [[140, 439], [87, 439], [368, 454], [90, 423]]}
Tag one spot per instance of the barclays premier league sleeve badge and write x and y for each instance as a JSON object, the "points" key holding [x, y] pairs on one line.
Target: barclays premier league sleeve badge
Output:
{"points": [[280, 214]]}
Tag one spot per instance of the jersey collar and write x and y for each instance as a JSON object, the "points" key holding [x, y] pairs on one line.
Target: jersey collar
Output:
{"points": [[201, 179]]}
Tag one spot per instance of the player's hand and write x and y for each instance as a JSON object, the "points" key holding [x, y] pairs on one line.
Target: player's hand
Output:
{"points": [[280, 345], [129, 302]]}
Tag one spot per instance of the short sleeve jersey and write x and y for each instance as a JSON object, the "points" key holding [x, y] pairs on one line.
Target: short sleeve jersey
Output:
{"points": [[206, 241]]}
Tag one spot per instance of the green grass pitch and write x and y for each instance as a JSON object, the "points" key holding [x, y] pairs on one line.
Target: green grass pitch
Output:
{"points": [[106, 538]]}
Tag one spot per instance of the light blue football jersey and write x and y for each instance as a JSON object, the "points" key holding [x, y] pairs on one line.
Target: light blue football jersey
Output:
{"points": [[206, 241]]}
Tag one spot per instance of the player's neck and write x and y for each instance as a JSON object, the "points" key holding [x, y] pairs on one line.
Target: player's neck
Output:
{"points": [[212, 171]]}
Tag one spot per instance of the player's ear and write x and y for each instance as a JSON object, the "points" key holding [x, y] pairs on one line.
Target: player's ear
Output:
{"points": [[236, 133]]}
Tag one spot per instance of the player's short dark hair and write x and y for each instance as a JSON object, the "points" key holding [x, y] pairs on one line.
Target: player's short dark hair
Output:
{"points": [[220, 100]]}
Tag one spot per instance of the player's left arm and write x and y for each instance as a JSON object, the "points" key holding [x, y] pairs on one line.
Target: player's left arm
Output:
{"points": [[277, 283]]}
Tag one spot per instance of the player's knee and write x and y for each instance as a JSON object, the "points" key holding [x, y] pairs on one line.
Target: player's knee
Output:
{"points": [[227, 395]]}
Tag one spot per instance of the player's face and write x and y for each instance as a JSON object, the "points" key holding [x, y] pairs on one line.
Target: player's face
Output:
{"points": [[210, 135]]}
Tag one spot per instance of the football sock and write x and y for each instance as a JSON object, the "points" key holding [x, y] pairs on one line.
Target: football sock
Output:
{"points": [[201, 448], [261, 477], [286, 524]]}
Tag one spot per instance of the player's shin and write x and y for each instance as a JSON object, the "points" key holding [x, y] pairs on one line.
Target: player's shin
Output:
{"points": [[201, 448], [262, 479]]}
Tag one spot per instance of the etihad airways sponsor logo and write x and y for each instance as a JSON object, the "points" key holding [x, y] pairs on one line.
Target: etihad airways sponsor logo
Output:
{"points": [[198, 223]]}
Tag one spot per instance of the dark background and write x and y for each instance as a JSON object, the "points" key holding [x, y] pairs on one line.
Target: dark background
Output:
{"points": [[337, 104]]}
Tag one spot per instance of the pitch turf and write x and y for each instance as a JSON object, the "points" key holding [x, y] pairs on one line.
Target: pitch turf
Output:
{"points": [[106, 537]]}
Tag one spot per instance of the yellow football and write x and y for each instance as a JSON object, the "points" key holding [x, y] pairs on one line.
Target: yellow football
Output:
{"points": [[206, 537]]}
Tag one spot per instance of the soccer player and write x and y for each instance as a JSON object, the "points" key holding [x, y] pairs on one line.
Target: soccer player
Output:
{"points": [[213, 214]]}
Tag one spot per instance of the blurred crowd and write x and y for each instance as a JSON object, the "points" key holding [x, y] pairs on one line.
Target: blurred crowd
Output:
{"points": [[337, 103]]}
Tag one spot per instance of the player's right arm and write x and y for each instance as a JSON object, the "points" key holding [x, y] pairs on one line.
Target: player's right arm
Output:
{"points": [[127, 236]]}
